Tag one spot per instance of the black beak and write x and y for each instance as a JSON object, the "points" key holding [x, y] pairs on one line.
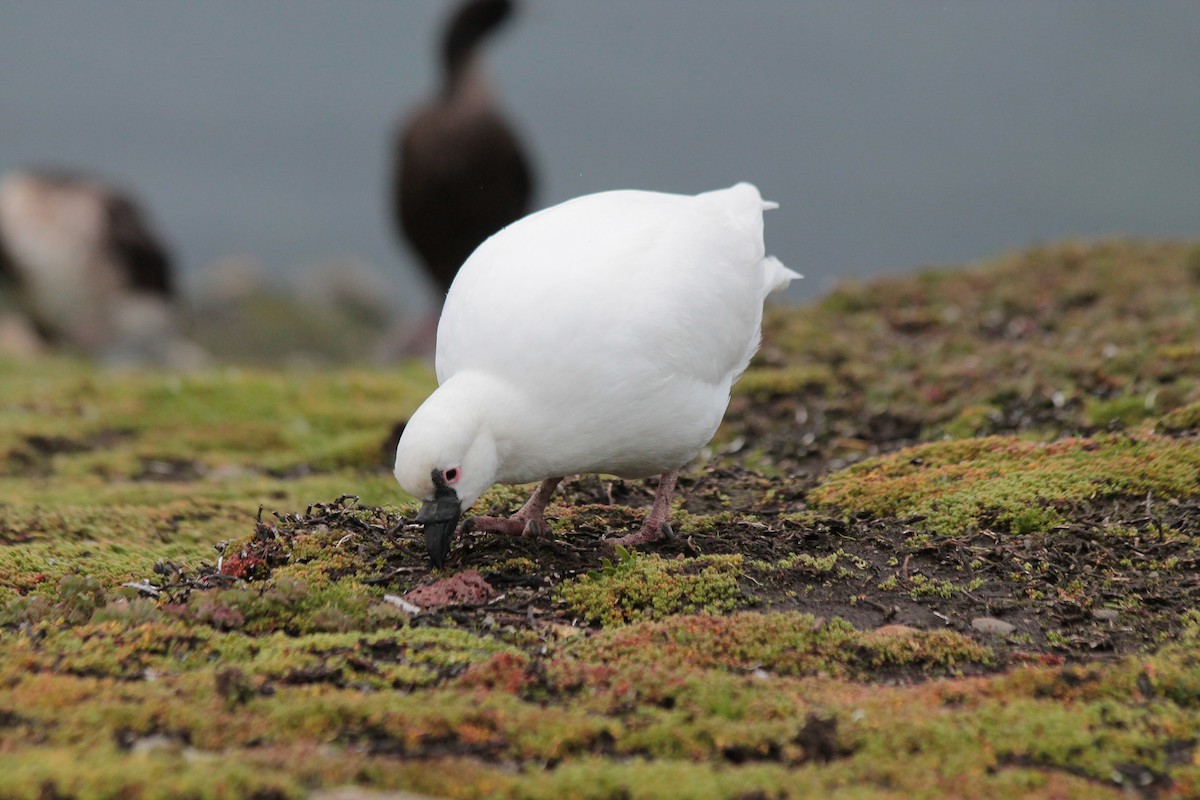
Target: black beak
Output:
{"points": [[440, 516]]}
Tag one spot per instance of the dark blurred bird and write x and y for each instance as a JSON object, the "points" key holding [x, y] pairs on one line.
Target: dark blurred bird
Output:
{"points": [[460, 172], [88, 269]]}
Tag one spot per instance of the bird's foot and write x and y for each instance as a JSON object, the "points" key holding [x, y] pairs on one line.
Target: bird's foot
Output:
{"points": [[645, 535], [516, 525], [526, 522]]}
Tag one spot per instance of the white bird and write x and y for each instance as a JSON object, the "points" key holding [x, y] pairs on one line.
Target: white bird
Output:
{"points": [[600, 335]]}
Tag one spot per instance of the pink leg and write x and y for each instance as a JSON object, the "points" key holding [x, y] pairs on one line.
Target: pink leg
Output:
{"points": [[526, 522], [655, 527]]}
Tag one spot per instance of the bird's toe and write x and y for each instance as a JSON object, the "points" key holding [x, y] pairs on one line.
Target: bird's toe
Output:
{"points": [[535, 528], [641, 537]]}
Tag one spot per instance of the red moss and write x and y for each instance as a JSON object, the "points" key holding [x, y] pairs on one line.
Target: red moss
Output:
{"points": [[245, 566], [505, 672]]}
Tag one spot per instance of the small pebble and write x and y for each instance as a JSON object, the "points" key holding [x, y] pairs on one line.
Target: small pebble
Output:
{"points": [[149, 744], [402, 604], [992, 625]]}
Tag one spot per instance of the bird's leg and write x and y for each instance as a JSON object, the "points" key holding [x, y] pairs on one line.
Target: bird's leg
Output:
{"points": [[526, 522], [655, 527]]}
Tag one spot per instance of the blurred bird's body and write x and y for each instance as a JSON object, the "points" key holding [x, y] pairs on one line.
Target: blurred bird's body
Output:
{"points": [[461, 173], [88, 271]]}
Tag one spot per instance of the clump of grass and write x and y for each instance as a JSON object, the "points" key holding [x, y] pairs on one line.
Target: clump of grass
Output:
{"points": [[634, 587]]}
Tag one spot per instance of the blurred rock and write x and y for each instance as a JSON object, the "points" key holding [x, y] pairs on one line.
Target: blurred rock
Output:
{"points": [[993, 626], [351, 287]]}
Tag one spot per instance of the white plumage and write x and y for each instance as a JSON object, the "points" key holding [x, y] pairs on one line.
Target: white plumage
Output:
{"points": [[600, 335]]}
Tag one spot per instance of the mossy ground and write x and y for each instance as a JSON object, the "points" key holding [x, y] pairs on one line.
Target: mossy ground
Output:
{"points": [[945, 545]]}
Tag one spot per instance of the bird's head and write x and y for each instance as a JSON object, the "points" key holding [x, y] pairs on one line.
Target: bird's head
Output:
{"points": [[446, 460], [471, 24]]}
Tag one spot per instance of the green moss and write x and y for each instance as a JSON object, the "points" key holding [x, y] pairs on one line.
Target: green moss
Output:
{"points": [[649, 587], [403, 659], [777, 643], [83, 422], [1186, 418], [1031, 519], [762, 383], [299, 677], [975, 350], [118, 646], [638, 779], [171, 770], [706, 523], [519, 565], [1125, 411], [676, 702], [807, 561], [297, 605], [960, 485], [971, 421], [928, 587], [1192, 263]]}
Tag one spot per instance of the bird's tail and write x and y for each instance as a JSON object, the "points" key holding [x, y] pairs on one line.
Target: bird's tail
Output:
{"points": [[776, 276], [745, 205]]}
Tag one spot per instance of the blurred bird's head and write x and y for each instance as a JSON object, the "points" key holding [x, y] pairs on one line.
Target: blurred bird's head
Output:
{"points": [[471, 24]]}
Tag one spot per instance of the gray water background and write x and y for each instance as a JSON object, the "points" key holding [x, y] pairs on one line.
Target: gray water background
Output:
{"points": [[893, 134]]}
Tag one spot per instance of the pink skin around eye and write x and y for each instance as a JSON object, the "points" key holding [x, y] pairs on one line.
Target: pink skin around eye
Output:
{"points": [[452, 475]]}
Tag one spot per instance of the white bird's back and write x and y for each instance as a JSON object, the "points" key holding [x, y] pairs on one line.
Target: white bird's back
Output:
{"points": [[674, 280]]}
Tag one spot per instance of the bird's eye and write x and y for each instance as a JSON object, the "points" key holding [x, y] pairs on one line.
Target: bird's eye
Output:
{"points": [[450, 475]]}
